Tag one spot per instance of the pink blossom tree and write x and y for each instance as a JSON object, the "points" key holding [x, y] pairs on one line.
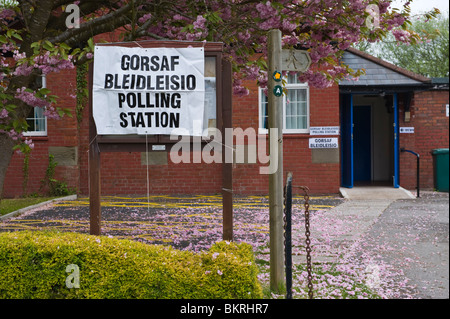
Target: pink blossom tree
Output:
{"points": [[36, 39]]}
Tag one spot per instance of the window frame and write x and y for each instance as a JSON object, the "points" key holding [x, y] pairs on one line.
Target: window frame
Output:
{"points": [[43, 132], [297, 86]]}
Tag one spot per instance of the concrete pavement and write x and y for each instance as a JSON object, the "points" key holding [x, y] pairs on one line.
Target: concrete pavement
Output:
{"points": [[395, 230], [375, 193], [415, 237], [361, 209]]}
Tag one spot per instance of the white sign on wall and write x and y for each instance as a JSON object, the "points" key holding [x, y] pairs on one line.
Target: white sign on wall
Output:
{"points": [[324, 130], [407, 130], [148, 90], [331, 142]]}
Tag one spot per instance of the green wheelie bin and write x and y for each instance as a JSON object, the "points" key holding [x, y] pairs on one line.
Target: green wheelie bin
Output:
{"points": [[440, 163]]}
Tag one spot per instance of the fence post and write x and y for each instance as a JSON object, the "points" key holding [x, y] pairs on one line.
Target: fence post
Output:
{"points": [[288, 234]]}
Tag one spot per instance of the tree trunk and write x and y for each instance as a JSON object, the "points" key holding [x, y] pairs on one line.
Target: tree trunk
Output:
{"points": [[6, 152]]}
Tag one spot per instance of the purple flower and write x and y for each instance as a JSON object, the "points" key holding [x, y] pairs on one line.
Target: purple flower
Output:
{"points": [[3, 114], [200, 23], [30, 98]]}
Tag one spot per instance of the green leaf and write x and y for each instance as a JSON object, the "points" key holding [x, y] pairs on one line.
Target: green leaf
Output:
{"points": [[10, 107], [44, 91], [64, 46], [91, 43], [17, 36], [48, 46], [64, 112]]}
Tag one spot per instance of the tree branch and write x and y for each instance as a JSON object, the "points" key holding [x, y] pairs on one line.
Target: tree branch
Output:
{"points": [[108, 22], [142, 31], [36, 24], [57, 23]]}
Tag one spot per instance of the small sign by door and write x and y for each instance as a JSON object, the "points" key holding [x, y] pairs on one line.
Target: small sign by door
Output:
{"points": [[323, 142], [324, 130], [407, 130]]}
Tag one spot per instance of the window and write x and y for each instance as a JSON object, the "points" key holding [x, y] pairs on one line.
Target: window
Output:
{"points": [[210, 117], [295, 107], [36, 120]]}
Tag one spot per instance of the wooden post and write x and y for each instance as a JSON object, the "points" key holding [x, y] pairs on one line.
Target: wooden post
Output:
{"points": [[94, 168], [275, 119], [94, 189], [227, 167]]}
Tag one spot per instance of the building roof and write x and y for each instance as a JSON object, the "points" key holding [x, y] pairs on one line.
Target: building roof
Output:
{"points": [[378, 72], [439, 80]]}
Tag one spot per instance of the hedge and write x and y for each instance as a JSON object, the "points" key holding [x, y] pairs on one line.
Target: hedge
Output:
{"points": [[33, 265]]}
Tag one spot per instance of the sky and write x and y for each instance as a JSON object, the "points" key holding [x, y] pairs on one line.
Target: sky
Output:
{"points": [[418, 6]]}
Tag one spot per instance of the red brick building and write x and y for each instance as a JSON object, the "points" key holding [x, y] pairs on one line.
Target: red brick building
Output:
{"points": [[390, 109], [368, 115]]}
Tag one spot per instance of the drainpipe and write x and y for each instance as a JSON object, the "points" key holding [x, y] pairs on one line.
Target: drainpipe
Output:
{"points": [[418, 168]]}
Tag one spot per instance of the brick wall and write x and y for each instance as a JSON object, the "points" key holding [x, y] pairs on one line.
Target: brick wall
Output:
{"points": [[431, 131], [60, 133], [319, 177], [124, 173]]}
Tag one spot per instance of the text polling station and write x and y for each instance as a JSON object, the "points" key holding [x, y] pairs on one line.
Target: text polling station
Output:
{"points": [[148, 90]]}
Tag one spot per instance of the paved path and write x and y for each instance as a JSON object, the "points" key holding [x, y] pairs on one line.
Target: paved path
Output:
{"points": [[417, 235], [403, 240], [360, 210]]}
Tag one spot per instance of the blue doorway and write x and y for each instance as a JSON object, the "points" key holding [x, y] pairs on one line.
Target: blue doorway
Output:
{"points": [[369, 139]]}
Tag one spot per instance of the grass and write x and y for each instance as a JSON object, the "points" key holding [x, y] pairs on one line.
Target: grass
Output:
{"points": [[10, 205]]}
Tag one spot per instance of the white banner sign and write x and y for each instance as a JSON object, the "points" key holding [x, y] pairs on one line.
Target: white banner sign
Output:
{"points": [[331, 142], [324, 130], [148, 90]]}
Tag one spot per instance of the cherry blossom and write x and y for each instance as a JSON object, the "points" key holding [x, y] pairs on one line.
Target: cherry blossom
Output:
{"points": [[325, 28], [30, 98]]}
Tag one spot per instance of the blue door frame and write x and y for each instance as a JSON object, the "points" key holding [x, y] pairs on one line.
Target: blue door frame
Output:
{"points": [[396, 143], [347, 161], [347, 140]]}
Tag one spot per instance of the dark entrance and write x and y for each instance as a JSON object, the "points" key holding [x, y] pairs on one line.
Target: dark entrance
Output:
{"points": [[362, 152]]}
